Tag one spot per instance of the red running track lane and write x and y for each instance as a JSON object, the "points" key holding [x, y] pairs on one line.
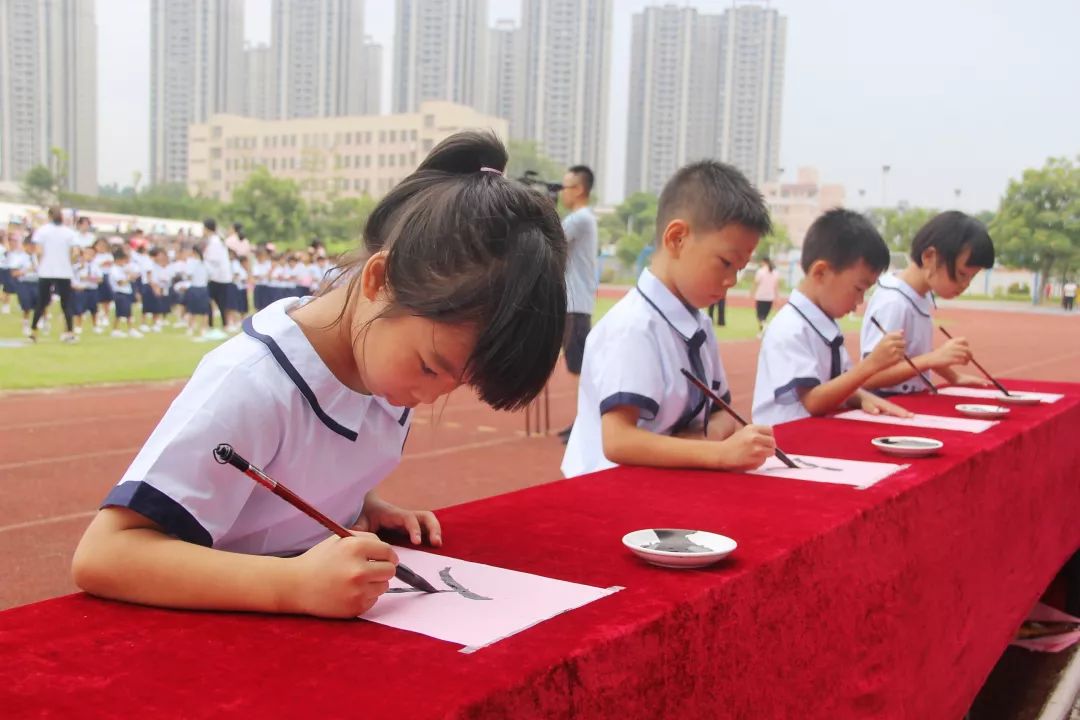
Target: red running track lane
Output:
{"points": [[61, 451]]}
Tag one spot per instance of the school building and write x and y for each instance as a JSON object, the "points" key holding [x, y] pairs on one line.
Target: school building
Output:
{"points": [[342, 156], [797, 205]]}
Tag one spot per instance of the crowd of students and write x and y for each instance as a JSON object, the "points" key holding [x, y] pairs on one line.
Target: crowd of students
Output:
{"points": [[131, 285]]}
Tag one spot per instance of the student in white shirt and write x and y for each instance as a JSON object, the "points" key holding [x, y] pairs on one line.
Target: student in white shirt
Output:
{"points": [[318, 392], [803, 366], [946, 254], [1068, 295], [87, 280], [635, 407], [23, 268], [122, 276], [197, 295], [216, 257], [260, 276], [7, 283], [55, 271], [85, 236]]}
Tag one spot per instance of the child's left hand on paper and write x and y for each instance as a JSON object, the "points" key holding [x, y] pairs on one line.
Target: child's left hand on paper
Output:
{"points": [[874, 405], [381, 515]]}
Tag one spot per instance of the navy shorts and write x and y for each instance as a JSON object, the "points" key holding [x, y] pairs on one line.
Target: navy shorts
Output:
{"points": [[27, 292], [197, 300], [123, 303]]}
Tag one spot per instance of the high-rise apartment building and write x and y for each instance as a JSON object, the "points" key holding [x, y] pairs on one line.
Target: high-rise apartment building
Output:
{"points": [[567, 66], [440, 53], [319, 58], [506, 75], [705, 86], [196, 70], [260, 87], [48, 89]]}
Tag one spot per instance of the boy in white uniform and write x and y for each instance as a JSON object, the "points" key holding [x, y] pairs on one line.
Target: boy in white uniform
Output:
{"points": [[803, 367], [634, 405], [946, 254]]}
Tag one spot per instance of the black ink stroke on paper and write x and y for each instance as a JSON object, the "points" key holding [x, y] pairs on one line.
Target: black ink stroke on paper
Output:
{"points": [[448, 579]]}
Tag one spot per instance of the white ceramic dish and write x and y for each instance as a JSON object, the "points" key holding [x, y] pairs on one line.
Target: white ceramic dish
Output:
{"points": [[982, 412], [675, 548], [908, 446], [1018, 398]]}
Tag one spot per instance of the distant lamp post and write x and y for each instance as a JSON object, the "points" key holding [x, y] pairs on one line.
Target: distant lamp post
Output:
{"points": [[884, 186], [956, 193]]}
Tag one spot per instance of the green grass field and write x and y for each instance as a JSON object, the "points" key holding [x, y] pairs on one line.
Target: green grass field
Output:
{"points": [[171, 354]]}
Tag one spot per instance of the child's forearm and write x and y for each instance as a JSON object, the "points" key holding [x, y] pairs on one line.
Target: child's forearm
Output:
{"points": [[899, 372], [142, 565], [948, 372], [635, 446], [831, 395]]}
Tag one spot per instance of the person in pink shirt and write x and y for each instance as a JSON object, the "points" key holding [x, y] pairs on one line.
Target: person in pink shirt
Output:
{"points": [[766, 282]]}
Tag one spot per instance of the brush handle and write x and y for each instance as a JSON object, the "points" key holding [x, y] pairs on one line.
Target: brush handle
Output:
{"points": [[908, 360], [981, 368], [731, 411], [225, 455]]}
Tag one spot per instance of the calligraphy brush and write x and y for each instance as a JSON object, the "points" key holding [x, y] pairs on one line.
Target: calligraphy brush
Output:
{"points": [[731, 411], [907, 359], [225, 455], [981, 368]]}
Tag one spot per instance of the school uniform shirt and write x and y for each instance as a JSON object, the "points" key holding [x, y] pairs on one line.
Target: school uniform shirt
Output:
{"points": [[120, 278], [56, 242], [143, 263], [318, 274], [216, 256], [634, 356], [802, 348], [897, 306], [20, 260], [239, 275], [85, 240], [260, 271], [89, 276], [161, 277], [327, 443], [197, 273]]}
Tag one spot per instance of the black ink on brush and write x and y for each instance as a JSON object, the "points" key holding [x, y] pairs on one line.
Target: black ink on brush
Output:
{"points": [[932, 386], [731, 411], [981, 368], [225, 455]]}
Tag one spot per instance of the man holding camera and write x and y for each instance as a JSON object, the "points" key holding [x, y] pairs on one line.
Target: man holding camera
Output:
{"points": [[581, 272]]}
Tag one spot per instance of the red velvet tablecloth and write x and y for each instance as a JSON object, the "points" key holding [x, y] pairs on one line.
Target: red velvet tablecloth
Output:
{"points": [[891, 602]]}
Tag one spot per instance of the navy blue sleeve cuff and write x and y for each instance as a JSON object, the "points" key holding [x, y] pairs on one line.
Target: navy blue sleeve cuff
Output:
{"points": [[646, 405], [801, 383], [155, 505]]}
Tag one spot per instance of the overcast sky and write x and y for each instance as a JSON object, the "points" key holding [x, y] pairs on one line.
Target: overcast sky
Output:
{"points": [[952, 94]]}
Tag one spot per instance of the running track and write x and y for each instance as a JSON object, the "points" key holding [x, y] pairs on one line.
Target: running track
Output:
{"points": [[60, 451]]}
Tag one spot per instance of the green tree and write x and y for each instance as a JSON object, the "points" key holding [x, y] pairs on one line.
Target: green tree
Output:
{"points": [[270, 208], [58, 164], [775, 243], [340, 221], [899, 225], [1037, 225], [39, 185], [524, 155]]}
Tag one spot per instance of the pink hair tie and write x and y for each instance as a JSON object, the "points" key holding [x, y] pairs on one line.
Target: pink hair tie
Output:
{"points": [[491, 170]]}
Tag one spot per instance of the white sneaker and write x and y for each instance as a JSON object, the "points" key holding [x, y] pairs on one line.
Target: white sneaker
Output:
{"points": [[78, 330], [98, 330], [118, 333], [144, 328], [68, 338], [134, 333], [5, 310], [156, 328]]}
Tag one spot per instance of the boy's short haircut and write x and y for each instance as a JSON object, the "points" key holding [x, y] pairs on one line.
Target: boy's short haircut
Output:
{"points": [[585, 175], [949, 233], [710, 195], [842, 238]]}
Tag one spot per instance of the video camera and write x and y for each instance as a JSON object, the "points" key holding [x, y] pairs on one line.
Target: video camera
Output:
{"points": [[532, 179]]}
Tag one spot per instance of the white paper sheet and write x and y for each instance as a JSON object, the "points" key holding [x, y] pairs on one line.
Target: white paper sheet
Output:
{"points": [[936, 422], [994, 394], [497, 602], [856, 473]]}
